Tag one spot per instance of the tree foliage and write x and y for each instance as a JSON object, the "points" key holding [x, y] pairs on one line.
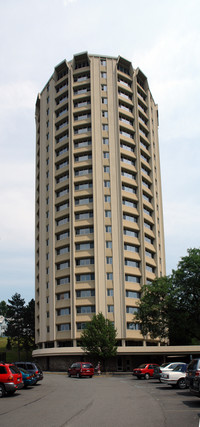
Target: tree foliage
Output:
{"points": [[21, 323], [98, 340], [170, 307], [3, 308]]}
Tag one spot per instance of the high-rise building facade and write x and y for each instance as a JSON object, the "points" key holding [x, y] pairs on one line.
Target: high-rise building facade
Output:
{"points": [[99, 220]]}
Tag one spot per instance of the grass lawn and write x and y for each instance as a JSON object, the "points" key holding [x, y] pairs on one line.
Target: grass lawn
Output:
{"points": [[12, 355]]}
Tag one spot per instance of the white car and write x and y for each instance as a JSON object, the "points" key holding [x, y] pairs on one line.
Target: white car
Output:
{"points": [[175, 377], [165, 368]]}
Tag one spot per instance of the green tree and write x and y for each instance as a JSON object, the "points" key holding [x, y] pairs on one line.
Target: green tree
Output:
{"points": [[154, 308], [169, 308], [3, 308], [15, 319], [28, 337], [98, 340]]}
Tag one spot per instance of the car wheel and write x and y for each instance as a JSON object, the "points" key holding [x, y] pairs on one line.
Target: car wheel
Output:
{"points": [[69, 375], [181, 383], [90, 376], [147, 376], [78, 375], [2, 390]]}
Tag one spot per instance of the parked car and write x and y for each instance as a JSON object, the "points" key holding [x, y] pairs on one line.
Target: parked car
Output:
{"points": [[176, 377], [33, 368], [145, 370], [81, 369], [195, 386], [28, 379], [10, 379], [165, 367], [193, 371]]}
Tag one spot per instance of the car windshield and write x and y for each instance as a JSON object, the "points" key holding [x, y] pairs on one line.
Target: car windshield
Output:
{"points": [[14, 369], [86, 365], [24, 371], [180, 368]]}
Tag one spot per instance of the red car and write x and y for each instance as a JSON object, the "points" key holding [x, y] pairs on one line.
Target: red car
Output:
{"points": [[10, 379], [145, 370], [81, 369]]}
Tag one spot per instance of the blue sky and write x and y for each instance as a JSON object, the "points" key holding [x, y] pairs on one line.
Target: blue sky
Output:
{"points": [[161, 38]]}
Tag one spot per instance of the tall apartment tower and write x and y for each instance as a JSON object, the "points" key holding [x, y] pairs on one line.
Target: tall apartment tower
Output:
{"points": [[99, 220]]}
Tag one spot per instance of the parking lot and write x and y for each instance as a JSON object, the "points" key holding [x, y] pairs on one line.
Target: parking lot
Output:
{"points": [[120, 400]]}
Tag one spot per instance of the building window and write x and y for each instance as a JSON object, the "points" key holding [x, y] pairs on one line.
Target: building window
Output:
{"points": [[64, 295], [85, 293], [83, 157], [147, 225], [63, 311], [63, 265], [106, 155], [108, 214], [110, 292], [133, 294], [105, 141], [62, 251], [109, 276], [149, 254], [84, 201], [104, 100], [149, 268], [105, 127], [84, 277], [131, 310], [84, 261], [133, 326], [62, 221], [104, 88], [81, 325], [84, 246], [84, 143], [108, 244], [110, 308], [129, 203], [63, 281], [62, 206], [64, 327], [131, 263], [108, 229], [62, 192], [129, 218], [131, 248], [84, 215], [85, 309], [81, 172], [83, 186], [131, 233], [127, 174], [107, 199], [108, 260], [63, 236], [103, 62], [84, 230], [103, 75], [132, 279], [107, 184], [129, 189]]}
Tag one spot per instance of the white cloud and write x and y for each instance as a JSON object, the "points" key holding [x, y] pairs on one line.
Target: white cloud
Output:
{"points": [[66, 2], [17, 209], [17, 94]]}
